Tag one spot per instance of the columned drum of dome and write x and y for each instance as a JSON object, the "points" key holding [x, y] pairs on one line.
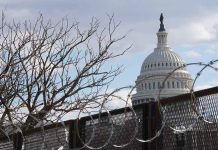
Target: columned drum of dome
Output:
{"points": [[156, 67]]}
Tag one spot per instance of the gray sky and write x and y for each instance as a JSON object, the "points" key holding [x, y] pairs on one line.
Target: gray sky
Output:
{"points": [[192, 26]]}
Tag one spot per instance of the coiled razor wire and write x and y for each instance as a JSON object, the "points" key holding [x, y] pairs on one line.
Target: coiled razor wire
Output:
{"points": [[59, 124], [5, 134], [199, 115], [175, 128], [136, 127], [94, 129], [193, 99]]}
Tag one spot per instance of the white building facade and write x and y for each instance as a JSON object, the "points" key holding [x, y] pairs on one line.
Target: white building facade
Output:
{"points": [[162, 69]]}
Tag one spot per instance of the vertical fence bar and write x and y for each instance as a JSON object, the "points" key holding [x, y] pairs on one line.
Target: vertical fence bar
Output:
{"points": [[17, 141], [74, 140], [145, 125]]}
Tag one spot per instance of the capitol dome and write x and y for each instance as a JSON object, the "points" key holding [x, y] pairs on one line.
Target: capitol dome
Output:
{"points": [[158, 58], [155, 72]]}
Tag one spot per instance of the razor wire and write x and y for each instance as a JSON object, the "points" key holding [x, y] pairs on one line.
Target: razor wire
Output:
{"points": [[194, 106]]}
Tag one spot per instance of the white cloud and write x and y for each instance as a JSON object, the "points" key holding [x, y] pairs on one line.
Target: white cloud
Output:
{"points": [[117, 103], [206, 83], [210, 51], [215, 65], [19, 14], [196, 30], [192, 54], [201, 87]]}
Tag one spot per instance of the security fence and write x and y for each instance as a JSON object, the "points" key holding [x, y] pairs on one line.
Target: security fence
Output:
{"points": [[184, 122], [191, 121]]}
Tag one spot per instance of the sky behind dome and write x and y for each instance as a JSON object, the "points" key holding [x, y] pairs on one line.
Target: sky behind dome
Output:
{"points": [[192, 27]]}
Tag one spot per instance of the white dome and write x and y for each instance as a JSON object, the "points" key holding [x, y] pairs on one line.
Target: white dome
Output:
{"points": [[160, 58], [155, 70]]}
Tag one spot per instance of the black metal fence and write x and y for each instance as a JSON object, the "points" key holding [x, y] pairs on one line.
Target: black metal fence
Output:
{"points": [[189, 121]]}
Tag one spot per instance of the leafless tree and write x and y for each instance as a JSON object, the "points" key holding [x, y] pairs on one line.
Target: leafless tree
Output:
{"points": [[55, 68]]}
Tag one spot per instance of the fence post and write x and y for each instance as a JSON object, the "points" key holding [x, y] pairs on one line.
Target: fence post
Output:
{"points": [[17, 141], [145, 125], [151, 123], [74, 140]]}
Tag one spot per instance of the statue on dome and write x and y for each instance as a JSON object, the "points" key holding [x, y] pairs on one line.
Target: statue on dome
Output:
{"points": [[161, 18], [161, 23]]}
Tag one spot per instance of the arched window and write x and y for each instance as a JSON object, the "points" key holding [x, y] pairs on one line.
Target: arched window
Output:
{"points": [[145, 85], [149, 86], [173, 84], [168, 84], [177, 84], [158, 84], [153, 85], [182, 85], [166, 64], [163, 84]]}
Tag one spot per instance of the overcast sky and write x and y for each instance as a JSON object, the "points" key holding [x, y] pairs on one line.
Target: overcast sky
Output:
{"points": [[192, 27]]}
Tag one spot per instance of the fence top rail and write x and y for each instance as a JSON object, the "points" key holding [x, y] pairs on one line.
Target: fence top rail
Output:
{"points": [[39, 129], [114, 112], [165, 101], [187, 96]]}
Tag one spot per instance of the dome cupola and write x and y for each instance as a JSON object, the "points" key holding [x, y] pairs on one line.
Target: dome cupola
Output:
{"points": [[156, 68]]}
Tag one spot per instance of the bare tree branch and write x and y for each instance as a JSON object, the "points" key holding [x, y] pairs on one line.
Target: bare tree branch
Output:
{"points": [[55, 67]]}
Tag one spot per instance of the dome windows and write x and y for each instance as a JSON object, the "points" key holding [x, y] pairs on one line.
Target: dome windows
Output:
{"points": [[152, 66], [177, 84], [168, 84], [149, 86], [161, 58], [173, 84], [153, 85], [157, 65]]}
